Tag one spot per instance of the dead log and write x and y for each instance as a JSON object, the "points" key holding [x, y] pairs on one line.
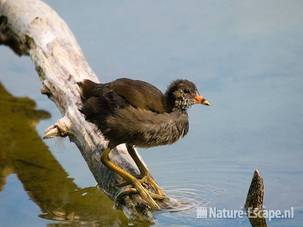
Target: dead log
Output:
{"points": [[30, 27]]}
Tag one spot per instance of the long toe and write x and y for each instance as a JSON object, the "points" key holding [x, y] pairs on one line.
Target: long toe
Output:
{"points": [[146, 195], [149, 181], [123, 192]]}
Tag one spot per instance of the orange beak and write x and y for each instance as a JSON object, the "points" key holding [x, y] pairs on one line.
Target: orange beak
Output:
{"points": [[201, 100]]}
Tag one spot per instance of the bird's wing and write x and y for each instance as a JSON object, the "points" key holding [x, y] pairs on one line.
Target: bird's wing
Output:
{"points": [[136, 93], [139, 94]]}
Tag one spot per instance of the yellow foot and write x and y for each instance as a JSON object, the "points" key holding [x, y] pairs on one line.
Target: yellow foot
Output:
{"points": [[146, 195], [150, 182]]}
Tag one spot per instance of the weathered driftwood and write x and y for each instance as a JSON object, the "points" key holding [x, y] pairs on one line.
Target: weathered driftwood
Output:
{"points": [[32, 28], [254, 201]]}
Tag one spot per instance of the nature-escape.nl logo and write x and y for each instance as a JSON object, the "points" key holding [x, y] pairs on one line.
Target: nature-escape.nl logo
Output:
{"points": [[214, 212]]}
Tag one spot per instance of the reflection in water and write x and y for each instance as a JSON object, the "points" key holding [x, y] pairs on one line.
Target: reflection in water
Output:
{"points": [[45, 181]]}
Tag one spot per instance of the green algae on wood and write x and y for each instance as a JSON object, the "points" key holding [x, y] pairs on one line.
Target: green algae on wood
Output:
{"points": [[23, 153]]}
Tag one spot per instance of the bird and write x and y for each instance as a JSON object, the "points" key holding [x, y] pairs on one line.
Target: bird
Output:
{"points": [[136, 113]]}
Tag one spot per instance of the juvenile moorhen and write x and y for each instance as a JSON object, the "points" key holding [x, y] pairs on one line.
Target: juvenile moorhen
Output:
{"points": [[138, 114]]}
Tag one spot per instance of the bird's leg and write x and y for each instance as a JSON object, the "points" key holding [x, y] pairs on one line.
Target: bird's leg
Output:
{"points": [[145, 175], [144, 193]]}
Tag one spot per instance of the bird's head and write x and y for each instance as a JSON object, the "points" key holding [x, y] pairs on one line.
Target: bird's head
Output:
{"points": [[182, 94]]}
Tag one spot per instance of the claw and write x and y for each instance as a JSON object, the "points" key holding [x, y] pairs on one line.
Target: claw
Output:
{"points": [[146, 195], [148, 180], [124, 192]]}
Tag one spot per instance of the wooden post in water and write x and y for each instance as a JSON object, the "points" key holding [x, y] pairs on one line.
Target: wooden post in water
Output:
{"points": [[254, 201]]}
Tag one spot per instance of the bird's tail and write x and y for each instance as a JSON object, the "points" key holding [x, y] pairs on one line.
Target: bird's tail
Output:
{"points": [[89, 89]]}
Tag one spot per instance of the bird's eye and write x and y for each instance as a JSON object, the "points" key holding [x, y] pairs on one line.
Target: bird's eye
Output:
{"points": [[186, 90]]}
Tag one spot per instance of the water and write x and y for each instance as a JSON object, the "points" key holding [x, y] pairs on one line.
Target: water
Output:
{"points": [[244, 56]]}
